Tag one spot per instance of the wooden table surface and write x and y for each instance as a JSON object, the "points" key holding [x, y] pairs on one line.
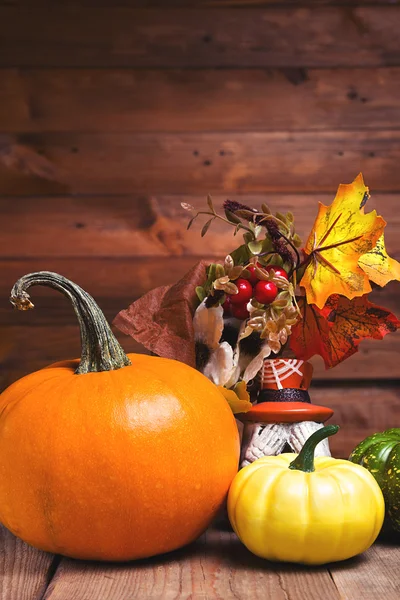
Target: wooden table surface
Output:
{"points": [[217, 566]]}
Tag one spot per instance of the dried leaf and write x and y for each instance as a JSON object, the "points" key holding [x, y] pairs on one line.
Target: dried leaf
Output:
{"points": [[353, 321], [210, 203], [219, 271], [187, 206], [200, 292], [378, 265], [221, 281], [336, 331], [247, 215], [206, 227], [310, 334], [281, 217], [241, 255], [279, 303], [255, 247], [261, 274], [340, 236], [191, 222], [238, 398], [236, 272], [266, 209], [225, 285], [230, 288], [228, 263], [232, 217], [297, 240]]}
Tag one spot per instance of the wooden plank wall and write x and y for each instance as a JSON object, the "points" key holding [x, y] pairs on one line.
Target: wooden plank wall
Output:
{"points": [[114, 111]]}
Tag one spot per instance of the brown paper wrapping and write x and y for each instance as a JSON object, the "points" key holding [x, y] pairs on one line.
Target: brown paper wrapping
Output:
{"points": [[162, 319]]}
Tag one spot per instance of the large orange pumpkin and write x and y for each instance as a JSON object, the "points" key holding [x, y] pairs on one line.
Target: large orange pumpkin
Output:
{"points": [[111, 457]]}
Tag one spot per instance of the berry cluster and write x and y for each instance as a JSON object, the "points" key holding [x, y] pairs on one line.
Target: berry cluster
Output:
{"points": [[263, 291]]}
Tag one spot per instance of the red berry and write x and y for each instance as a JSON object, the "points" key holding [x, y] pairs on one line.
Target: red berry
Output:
{"points": [[265, 292], [278, 271], [240, 311], [253, 276], [227, 306], [244, 294]]}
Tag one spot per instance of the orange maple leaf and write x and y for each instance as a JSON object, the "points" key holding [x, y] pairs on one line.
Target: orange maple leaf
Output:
{"points": [[310, 334], [341, 235], [336, 331]]}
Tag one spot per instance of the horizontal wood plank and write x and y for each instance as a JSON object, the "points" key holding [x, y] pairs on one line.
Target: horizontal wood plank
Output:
{"points": [[372, 575], [226, 37], [102, 276], [360, 409], [217, 567], [139, 225], [122, 100], [24, 350], [184, 163]]}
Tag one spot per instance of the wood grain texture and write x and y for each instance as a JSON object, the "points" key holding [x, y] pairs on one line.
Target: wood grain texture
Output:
{"points": [[140, 225], [216, 567], [226, 37], [372, 575], [122, 100], [24, 571], [102, 276], [185, 163], [360, 409], [24, 350]]}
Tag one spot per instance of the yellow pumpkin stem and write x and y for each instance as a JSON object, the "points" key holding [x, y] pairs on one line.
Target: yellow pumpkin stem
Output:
{"points": [[305, 460]]}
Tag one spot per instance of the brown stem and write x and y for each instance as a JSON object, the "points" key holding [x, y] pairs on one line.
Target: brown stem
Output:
{"points": [[330, 229], [337, 244], [100, 349], [295, 250], [321, 258], [305, 262]]}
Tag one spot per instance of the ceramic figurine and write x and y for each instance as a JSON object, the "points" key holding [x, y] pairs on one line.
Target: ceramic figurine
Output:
{"points": [[283, 418]]}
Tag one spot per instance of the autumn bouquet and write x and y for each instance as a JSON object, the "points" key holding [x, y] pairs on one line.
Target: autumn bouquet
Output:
{"points": [[285, 300], [271, 296]]}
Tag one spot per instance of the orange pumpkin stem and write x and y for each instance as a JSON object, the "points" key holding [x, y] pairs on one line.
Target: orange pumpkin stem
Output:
{"points": [[101, 351]]}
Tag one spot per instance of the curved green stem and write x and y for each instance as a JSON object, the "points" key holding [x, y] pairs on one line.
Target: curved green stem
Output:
{"points": [[100, 349], [305, 460]]}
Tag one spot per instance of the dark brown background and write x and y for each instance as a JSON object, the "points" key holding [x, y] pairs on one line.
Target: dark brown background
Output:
{"points": [[114, 111]]}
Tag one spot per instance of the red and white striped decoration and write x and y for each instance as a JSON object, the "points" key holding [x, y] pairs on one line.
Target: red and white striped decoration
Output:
{"points": [[275, 371]]}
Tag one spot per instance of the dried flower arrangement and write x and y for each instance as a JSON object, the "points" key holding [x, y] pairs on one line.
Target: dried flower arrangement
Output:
{"points": [[271, 297], [292, 302]]}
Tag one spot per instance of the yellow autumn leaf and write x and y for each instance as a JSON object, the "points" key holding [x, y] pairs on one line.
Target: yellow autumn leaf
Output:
{"points": [[378, 265], [238, 398], [341, 234]]}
